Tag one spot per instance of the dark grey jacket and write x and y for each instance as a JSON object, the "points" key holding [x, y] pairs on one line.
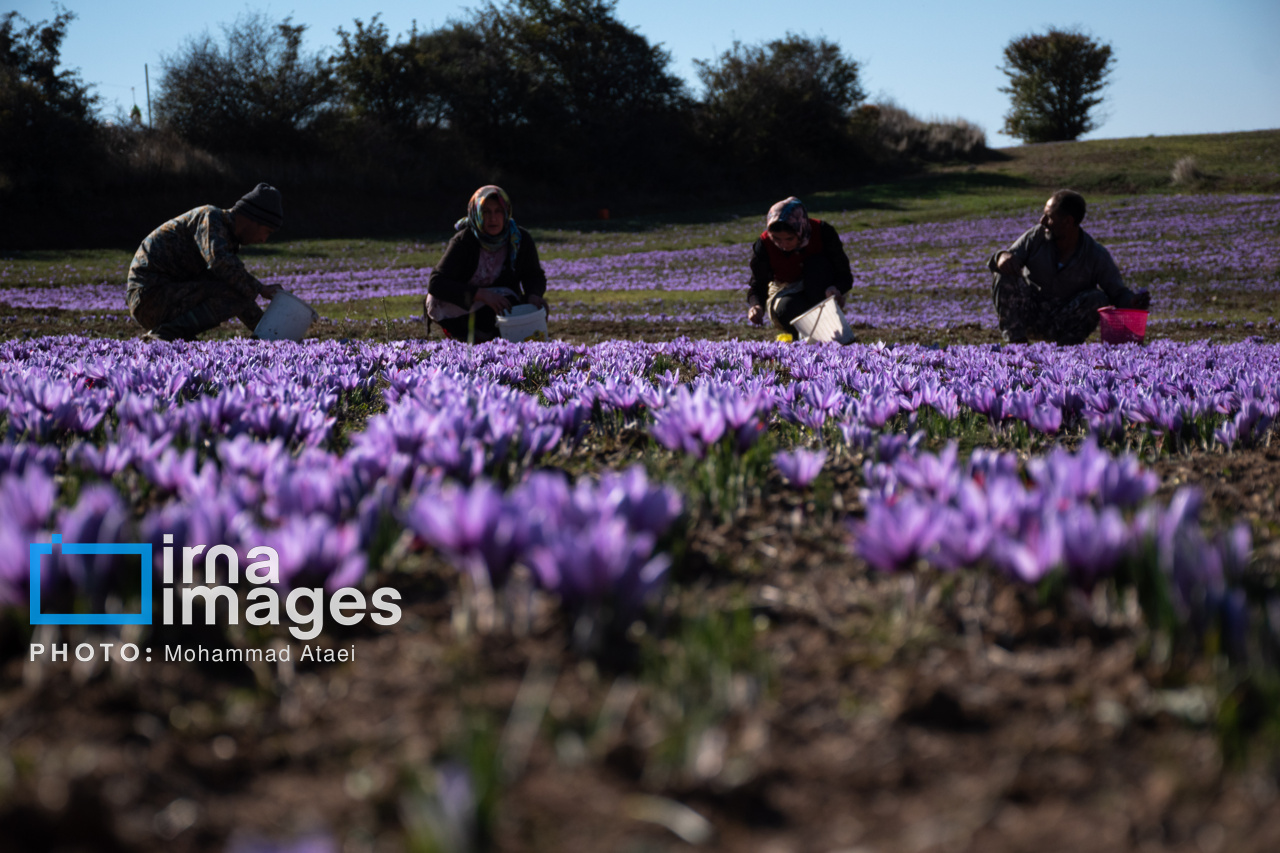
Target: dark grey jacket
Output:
{"points": [[1089, 267]]}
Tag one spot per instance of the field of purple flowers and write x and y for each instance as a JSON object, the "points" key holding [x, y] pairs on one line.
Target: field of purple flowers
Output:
{"points": [[656, 575], [633, 595]]}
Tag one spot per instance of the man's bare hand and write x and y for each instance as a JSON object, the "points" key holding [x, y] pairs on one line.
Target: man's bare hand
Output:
{"points": [[832, 291], [492, 299], [538, 302], [755, 315], [1006, 264], [269, 291]]}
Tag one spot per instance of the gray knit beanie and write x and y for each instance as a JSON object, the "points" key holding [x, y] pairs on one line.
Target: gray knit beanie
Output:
{"points": [[262, 204]]}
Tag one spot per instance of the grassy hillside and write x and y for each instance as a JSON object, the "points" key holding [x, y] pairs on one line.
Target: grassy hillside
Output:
{"points": [[1014, 178], [1231, 162]]}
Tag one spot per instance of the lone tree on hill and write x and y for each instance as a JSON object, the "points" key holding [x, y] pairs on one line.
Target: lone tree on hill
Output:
{"points": [[1054, 81]]}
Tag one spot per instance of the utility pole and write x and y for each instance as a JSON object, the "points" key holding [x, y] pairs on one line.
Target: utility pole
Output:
{"points": [[147, 73]]}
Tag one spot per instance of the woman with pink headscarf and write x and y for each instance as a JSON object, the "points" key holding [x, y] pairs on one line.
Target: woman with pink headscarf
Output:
{"points": [[488, 266], [796, 263]]}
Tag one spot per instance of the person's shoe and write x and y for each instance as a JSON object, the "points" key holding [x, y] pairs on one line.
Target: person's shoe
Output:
{"points": [[1012, 336]]}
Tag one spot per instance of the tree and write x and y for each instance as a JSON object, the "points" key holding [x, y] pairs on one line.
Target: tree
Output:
{"points": [[593, 66], [397, 86], [786, 104], [599, 98], [256, 92], [1054, 81], [47, 122]]}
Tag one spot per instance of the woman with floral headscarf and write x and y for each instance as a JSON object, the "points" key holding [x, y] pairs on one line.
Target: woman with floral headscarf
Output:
{"points": [[488, 266], [796, 263]]}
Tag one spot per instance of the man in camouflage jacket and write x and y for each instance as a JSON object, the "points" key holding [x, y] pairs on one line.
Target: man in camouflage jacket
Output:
{"points": [[187, 276], [1051, 282]]}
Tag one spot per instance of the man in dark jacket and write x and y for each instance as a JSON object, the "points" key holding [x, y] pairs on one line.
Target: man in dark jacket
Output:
{"points": [[187, 276], [1051, 282]]}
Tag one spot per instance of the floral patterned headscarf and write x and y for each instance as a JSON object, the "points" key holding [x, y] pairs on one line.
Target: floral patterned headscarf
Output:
{"points": [[509, 238], [791, 213]]}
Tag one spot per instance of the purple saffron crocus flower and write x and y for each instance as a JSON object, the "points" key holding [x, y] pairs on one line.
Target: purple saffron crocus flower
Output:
{"points": [[938, 475], [987, 464], [891, 444], [98, 516], [14, 458], [539, 440], [1046, 418], [857, 436], [27, 500], [26, 503], [646, 508], [15, 568], [894, 535], [810, 417], [690, 422], [1032, 553], [473, 525], [312, 549], [1105, 426], [1236, 547], [606, 563], [1094, 542], [966, 533], [313, 843], [106, 463], [800, 467]]}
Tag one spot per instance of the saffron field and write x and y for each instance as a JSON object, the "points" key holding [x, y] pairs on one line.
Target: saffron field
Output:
{"points": [[923, 592]]}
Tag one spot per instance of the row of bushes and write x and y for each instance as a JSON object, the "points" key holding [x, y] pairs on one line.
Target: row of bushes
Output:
{"points": [[555, 99]]}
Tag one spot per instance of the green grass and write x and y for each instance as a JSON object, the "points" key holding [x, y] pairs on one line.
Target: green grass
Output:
{"points": [[390, 307], [1233, 162]]}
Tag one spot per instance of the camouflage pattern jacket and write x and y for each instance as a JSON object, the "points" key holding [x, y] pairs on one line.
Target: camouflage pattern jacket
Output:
{"points": [[198, 245]]}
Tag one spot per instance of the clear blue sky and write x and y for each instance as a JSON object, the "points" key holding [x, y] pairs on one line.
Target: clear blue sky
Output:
{"points": [[1181, 66]]}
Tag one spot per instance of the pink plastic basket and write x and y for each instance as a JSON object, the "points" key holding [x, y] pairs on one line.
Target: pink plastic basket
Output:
{"points": [[1122, 325]]}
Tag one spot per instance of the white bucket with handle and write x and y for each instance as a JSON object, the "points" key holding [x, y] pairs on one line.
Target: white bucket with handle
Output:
{"points": [[522, 322], [286, 318], [824, 322]]}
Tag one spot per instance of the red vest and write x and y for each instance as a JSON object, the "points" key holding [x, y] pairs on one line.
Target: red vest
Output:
{"points": [[789, 266]]}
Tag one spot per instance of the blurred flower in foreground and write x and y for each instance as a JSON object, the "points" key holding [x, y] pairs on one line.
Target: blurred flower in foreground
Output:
{"points": [[313, 843], [800, 467]]}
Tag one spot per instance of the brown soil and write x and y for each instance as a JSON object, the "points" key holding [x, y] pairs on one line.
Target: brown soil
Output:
{"points": [[916, 712], [28, 322]]}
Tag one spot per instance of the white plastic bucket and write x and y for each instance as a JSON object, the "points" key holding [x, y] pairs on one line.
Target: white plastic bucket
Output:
{"points": [[286, 318], [824, 322], [522, 322]]}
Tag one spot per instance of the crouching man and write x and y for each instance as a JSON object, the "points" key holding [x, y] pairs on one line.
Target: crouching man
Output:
{"points": [[1052, 281], [187, 276]]}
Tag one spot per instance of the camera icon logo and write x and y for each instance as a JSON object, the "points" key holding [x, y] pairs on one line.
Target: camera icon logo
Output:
{"points": [[38, 549]]}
